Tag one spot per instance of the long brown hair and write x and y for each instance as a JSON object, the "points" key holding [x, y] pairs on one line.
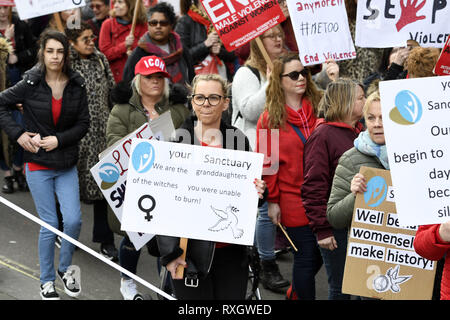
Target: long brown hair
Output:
{"points": [[47, 35], [131, 4], [275, 99]]}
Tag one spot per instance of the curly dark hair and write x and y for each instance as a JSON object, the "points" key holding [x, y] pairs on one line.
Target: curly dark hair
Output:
{"points": [[164, 8], [73, 33]]}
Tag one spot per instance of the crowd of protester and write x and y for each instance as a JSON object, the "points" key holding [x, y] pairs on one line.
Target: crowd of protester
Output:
{"points": [[68, 94]]}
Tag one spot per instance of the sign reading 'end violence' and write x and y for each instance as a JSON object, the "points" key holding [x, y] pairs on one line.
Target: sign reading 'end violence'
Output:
{"points": [[239, 21]]}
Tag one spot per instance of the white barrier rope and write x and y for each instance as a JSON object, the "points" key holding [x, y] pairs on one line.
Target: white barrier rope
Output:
{"points": [[85, 248]]}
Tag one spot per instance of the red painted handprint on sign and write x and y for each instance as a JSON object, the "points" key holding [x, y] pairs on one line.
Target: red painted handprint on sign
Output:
{"points": [[409, 13]]}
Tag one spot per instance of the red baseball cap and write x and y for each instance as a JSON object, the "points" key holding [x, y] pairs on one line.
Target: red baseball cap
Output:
{"points": [[150, 65]]}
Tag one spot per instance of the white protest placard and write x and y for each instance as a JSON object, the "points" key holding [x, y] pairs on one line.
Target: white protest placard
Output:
{"points": [[321, 30], [386, 23], [110, 172], [192, 192], [28, 9], [416, 119]]}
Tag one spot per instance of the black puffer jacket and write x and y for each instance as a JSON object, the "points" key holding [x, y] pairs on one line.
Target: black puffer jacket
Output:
{"points": [[200, 253], [35, 96]]}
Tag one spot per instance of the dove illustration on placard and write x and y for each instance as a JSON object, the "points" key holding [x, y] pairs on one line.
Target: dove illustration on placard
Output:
{"points": [[390, 281], [227, 219]]}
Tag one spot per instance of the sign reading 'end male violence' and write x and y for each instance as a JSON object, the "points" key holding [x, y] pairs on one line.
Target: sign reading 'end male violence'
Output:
{"points": [[239, 21], [381, 261], [191, 191]]}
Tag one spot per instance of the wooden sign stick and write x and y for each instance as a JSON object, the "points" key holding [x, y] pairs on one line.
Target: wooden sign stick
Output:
{"points": [[264, 52], [133, 24], [287, 237], [58, 21], [183, 246]]}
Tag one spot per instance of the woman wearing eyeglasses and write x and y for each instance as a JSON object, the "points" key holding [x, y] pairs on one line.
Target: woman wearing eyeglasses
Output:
{"points": [[116, 40], [220, 270], [100, 9], [93, 66], [341, 106], [290, 114], [147, 101]]}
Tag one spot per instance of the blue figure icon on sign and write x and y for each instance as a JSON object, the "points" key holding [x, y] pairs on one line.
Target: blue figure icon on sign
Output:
{"points": [[408, 108], [376, 191], [143, 157]]}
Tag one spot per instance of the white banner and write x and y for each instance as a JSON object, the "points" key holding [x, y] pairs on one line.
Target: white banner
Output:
{"points": [[28, 9], [192, 192], [386, 23], [321, 30], [416, 119]]}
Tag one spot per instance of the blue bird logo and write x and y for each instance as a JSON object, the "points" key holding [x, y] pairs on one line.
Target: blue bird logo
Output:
{"points": [[109, 174]]}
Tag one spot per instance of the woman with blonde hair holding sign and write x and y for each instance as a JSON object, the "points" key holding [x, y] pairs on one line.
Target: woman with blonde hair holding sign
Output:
{"points": [[370, 151], [214, 271], [291, 108]]}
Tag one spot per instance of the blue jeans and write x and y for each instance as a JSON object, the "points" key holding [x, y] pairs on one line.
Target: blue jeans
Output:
{"points": [[265, 233], [44, 184], [334, 263], [307, 262]]}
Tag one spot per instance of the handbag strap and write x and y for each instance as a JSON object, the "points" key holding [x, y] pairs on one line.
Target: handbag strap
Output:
{"points": [[299, 133]]}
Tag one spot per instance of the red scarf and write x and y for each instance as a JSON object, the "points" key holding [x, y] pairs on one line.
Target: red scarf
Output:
{"points": [[170, 58]]}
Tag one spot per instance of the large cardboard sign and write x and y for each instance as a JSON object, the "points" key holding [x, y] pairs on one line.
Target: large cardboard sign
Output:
{"points": [[28, 9], [239, 21], [191, 191], [321, 30], [386, 23], [416, 118], [111, 171], [381, 261], [442, 67]]}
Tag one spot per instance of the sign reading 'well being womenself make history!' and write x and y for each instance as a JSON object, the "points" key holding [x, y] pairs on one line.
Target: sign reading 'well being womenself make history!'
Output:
{"points": [[416, 119], [191, 191]]}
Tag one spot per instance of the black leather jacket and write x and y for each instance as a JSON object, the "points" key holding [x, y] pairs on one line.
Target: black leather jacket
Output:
{"points": [[35, 96], [200, 253]]}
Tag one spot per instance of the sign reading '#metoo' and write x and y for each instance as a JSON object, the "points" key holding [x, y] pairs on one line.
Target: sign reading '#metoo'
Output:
{"points": [[239, 21], [190, 191], [321, 30], [416, 117], [381, 262]]}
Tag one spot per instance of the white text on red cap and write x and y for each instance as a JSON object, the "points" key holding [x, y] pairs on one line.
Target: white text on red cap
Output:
{"points": [[154, 63]]}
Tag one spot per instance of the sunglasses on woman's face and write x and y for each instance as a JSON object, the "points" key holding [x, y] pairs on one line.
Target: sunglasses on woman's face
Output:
{"points": [[293, 75], [162, 23]]}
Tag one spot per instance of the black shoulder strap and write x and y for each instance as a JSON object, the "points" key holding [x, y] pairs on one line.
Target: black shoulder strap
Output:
{"points": [[299, 133]]}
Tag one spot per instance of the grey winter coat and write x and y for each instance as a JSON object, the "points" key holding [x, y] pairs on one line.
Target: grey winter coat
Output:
{"points": [[342, 200]]}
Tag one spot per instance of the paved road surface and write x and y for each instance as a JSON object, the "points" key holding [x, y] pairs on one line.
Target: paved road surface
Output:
{"points": [[19, 264]]}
